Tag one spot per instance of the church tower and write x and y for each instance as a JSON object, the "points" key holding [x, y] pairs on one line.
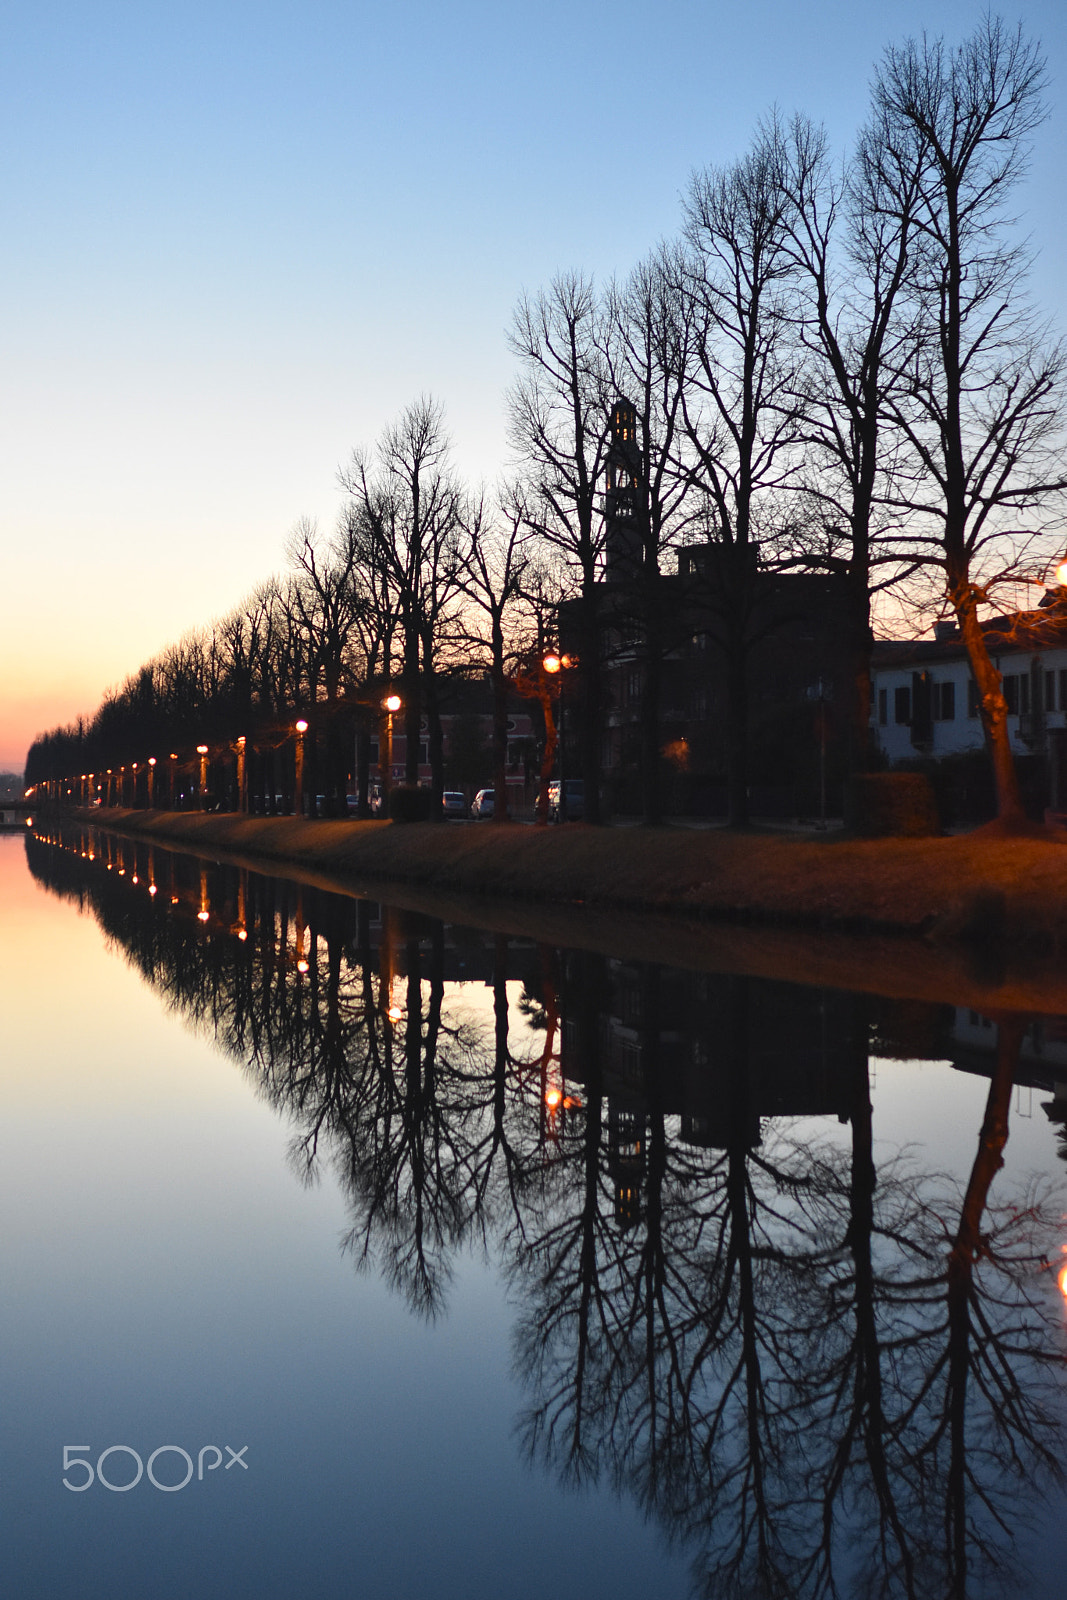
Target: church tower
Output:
{"points": [[622, 499]]}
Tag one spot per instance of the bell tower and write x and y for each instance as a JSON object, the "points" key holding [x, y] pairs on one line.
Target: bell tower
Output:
{"points": [[622, 498]]}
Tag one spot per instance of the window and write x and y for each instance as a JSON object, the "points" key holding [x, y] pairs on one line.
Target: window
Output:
{"points": [[944, 699], [972, 698], [1017, 693], [883, 707], [902, 707], [1063, 688], [1050, 691]]}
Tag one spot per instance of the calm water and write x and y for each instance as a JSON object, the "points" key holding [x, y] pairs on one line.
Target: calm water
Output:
{"points": [[443, 1263]]}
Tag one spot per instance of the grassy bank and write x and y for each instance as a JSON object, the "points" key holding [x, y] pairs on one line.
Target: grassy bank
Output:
{"points": [[971, 887], [975, 919]]}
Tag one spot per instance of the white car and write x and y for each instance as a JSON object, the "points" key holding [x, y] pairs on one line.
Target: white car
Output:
{"points": [[483, 803]]}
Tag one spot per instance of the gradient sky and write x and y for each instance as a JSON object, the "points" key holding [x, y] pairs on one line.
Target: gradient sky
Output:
{"points": [[236, 238]]}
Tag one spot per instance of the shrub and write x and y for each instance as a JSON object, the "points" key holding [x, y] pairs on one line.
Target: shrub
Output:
{"points": [[893, 804]]}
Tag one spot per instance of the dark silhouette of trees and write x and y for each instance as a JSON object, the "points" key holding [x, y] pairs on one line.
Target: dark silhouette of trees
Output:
{"points": [[649, 331], [852, 240], [831, 373], [558, 427], [980, 401], [405, 502], [741, 426], [496, 561]]}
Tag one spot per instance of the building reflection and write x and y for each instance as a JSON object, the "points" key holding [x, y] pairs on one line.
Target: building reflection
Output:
{"points": [[826, 1370]]}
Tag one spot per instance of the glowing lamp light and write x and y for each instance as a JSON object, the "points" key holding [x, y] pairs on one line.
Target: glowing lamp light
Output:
{"points": [[552, 664], [1062, 1280], [152, 889], [201, 749], [135, 879], [392, 702], [301, 965], [203, 916], [553, 1097], [1061, 573], [301, 726], [242, 934], [395, 1013]]}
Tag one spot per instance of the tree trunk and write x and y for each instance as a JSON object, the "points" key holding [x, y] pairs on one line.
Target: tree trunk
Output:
{"points": [[500, 728], [991, 702]]}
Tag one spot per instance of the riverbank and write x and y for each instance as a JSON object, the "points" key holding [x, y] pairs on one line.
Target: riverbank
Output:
{"points": [[971, 890]]}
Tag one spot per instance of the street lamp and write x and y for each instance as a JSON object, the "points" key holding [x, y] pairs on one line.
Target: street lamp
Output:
{"points": [[242, 792], [151, 782], [556, 666], [201, 751], [390, 704], [298, 782]]}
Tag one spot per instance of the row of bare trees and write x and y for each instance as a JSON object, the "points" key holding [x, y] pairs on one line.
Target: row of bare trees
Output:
{"points": [[834, 368], [418, 581]]}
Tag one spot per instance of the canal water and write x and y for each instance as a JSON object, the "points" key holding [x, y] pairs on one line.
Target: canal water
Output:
{"points": [[348, 1252]]}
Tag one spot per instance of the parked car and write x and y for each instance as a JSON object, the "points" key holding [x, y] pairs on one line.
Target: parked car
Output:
{"points": [[573, 800], [453, 803], [483, 803]]}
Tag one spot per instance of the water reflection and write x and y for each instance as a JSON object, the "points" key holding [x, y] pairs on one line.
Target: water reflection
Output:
{"points": [[822, 1373]]}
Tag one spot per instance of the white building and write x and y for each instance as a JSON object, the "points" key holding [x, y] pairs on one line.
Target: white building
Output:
{"points": [[924, 700]]}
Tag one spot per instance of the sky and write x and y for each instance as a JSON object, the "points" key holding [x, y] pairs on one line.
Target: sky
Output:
{"points": [[238, 237]]}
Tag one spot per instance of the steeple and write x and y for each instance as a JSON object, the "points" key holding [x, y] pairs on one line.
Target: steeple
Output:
{"points": [[622, 503]]}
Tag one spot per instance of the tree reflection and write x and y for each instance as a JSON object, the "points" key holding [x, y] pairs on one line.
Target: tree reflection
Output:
{"points": [[823, 1374]]}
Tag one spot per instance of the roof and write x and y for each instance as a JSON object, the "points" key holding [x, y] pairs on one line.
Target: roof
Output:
{"points": [[1019, 632]]}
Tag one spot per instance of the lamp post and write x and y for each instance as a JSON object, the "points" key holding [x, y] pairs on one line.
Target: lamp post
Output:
{"points": [[390, 704], [151, 782], [556, 666], [242, 789], [298, 784], [201, 751]]}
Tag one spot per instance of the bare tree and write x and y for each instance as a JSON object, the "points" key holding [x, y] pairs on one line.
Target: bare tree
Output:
{"points": [[405, 500], [851, 238], [329, 601], [496, 559], [558, 427], [981, 405], [649, 334], [738, 412]]}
